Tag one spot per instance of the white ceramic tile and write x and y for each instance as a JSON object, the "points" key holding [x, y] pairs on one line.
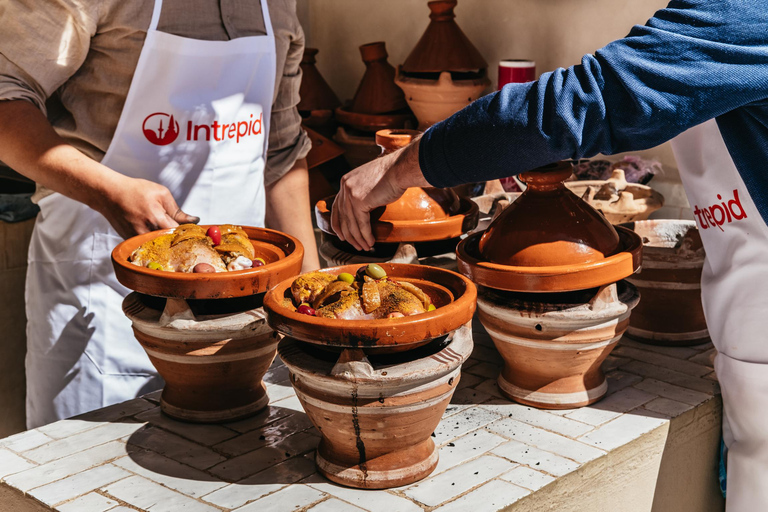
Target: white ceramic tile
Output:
{"points": [[267, 416], [117, 412], [446, 486], [673, 392], [676, 352], [613, 362], [664, 361], [543, 419], [280, 391], [487, 354], [467, 447], [176, 448], [536, 458], [262, 483], [459, 424], [199, 433], [151, 497], [78, 485], [277, 373], [622, 430], [548, 441], [154, 396], [469, 396], [288, 500], [91, 502], [11, 463], [486, 370], [706, 358], [528, 478], [333, 505], [67, 466], [612, 407], [469, 381], [25, 441], [382, 501], [618, 380], [169, 473], [82, 441], [237, 468], [290, 404], [679, 379], [491, 497], [491, 387], [668, 407], [264, 436], [122, 509]]}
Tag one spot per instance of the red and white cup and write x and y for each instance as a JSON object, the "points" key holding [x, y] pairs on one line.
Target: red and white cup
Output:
{"points": [[516, 71]]}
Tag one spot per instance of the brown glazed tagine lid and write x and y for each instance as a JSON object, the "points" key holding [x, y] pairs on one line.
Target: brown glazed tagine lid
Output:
{"points": [[420, 215], [377, 92], [282, 253], [314, 91], [444, 46], [549, 240]]}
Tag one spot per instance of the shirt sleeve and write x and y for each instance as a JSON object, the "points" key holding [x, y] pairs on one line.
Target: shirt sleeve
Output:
{"points": [[693, 61], [288, 142], [45, 45]]}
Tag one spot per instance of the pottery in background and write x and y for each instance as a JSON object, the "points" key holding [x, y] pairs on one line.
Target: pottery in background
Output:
{"points": [[318, 101]]}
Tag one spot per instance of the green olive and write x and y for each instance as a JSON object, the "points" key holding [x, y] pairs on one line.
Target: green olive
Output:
{"points": [[431, 307], [375, 271], [155, 265], [346, 277]]}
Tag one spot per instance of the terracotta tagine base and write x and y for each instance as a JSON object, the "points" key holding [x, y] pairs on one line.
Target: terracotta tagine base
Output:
{"points": [[212, 364], [617, 199], [376, 413], [553, 344], [358, 149], [671, 312], [433, 100]]}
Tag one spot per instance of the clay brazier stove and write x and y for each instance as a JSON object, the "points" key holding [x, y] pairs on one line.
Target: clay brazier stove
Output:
{"points": [[376, 389], [552, 295], [207, 334], [423, 222]]}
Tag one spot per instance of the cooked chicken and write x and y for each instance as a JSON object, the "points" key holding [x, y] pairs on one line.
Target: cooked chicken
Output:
{"points": [[396, 299], [307, 287], [348, 307], [234, 243], [390, 296]]}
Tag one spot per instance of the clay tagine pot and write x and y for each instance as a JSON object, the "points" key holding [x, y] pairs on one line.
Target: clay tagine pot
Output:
{"points": [[318, 101], [444, 72], [549, 240], [378, 102], [670, 313], [376, 389], [206, 334], [618, 200], [358, 149]]}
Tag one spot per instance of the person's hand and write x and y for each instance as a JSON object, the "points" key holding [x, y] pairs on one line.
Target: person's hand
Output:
{"points": [[374, 184], [135, 206]]}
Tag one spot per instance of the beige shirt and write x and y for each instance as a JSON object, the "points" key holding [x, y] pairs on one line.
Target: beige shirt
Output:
{"points": [[75, 59]]}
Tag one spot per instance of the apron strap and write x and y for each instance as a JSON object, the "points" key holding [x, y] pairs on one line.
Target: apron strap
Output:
{"points": [[155, 15], [265, 14]]}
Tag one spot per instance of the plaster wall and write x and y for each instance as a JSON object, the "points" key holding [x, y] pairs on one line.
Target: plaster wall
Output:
{"points": [[554, 33]]}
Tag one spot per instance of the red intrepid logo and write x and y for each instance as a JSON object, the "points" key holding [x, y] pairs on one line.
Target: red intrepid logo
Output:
{"points": [[718, 214], [160, 128]]}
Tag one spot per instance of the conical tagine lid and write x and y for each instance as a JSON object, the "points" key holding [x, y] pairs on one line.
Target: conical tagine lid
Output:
{"points": [[377, 92], [548, 225], [314, 91], [417, 203], [443, 47]]}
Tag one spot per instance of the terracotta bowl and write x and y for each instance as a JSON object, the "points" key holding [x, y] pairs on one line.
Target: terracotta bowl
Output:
{"points": [[453, 294], [425, 227], [671, 312], [374, 122], [358, 150], [559, 278], [283, 254], [376, 414]]}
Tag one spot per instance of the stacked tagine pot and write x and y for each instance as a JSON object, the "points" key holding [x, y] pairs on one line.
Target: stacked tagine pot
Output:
{"points": [[318, 101], [206, 333], [378, 104], [376, 389], [552, 292], [423, 222], [444, 72]]}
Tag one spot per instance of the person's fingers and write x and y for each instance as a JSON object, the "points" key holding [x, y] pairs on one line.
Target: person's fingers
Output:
{"points": [[351, 231], [184, 218], [363, 224], [336, 216]]}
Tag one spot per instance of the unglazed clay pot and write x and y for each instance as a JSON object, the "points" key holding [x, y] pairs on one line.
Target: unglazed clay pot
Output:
{"points": [[212, 365], [549, 240], [618, 200], [209, 340], [553, 344], [358, 150], [376, 414], [670, 313], [433, 100], [314, 91], [377, 92]]}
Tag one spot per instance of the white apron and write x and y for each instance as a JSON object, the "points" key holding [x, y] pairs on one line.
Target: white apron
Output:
{"points": [[735, 298], [196, 120]]}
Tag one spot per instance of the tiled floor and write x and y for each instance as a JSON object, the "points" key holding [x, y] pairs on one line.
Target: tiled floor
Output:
{"points": [[492, 452]]}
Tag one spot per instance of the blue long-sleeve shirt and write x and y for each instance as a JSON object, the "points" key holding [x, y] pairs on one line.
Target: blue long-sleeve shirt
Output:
{"points": [[694, 60]]}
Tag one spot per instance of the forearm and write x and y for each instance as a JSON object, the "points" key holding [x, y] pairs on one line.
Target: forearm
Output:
{"points": [[29, 145], [288, 210]]}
